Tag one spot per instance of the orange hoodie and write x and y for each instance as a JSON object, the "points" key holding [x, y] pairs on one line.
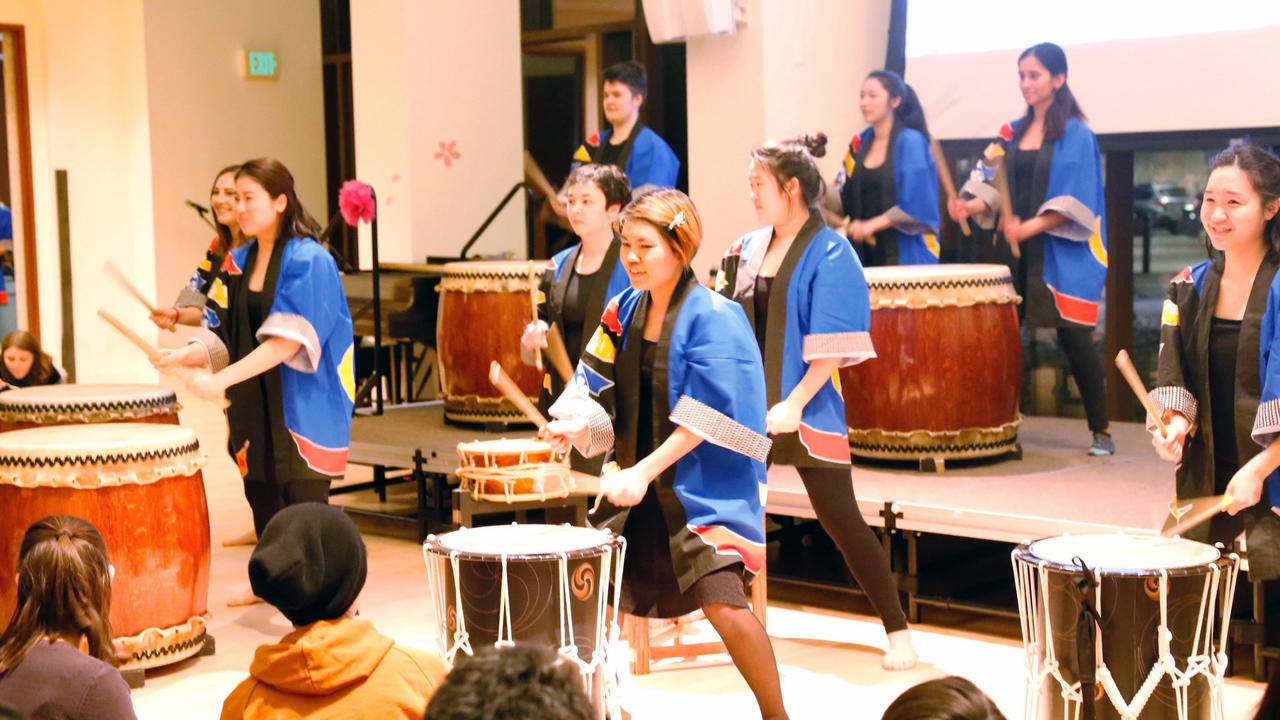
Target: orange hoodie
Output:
{"points": [[336, 669]]}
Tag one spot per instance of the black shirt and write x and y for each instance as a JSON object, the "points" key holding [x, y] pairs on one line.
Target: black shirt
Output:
{"points": [[573, 314], [1224, 336], [611, 154], [764, 285], [645, 441], [871, 183], [55, 681]]}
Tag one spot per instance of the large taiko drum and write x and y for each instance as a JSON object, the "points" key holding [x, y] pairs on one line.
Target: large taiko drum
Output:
{"points": [[548, 585], [140, 485], [484, 308], [513, 470], [1162, 607], [78, 404], [947, 376]]}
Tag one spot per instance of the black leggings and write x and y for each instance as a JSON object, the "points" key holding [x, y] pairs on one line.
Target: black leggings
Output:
{"points": [[831, 494], [1086, 367], [268, 498]]}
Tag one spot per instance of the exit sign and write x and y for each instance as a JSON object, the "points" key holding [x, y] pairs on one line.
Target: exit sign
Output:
{"points": [[261, 64]]}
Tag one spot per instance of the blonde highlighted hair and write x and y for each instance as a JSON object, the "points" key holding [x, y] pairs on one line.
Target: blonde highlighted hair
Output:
{"points": [[673, 215]]}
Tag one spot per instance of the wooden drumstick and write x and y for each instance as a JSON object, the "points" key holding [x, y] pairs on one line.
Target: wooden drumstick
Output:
{"points": [[132, 289], [1006, 204], [510, 391], [944, 177], [556, 351], [1130, 374], [152, 353], [533, 302]]}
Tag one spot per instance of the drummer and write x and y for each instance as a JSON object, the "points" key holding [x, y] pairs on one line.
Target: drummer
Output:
{"points": [[1217, 315], [890, 184], [25, 363], [580, 279], [671, 381], [1054, 174], [803, 290]]}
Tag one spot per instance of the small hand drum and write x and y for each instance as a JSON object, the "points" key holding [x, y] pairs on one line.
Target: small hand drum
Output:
{"points": [[513, 470]]}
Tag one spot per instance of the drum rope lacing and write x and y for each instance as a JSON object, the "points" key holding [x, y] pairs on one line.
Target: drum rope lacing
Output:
{"points": [[1203, 661]]}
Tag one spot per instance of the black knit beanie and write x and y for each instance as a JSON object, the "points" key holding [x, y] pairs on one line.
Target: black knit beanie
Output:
{"points": [[310, 563]]}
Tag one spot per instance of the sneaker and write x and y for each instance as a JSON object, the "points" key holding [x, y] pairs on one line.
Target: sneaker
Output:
{"points": [[1102, 444]]}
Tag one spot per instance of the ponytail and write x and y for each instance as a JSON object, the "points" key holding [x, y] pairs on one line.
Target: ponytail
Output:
{"points": [[909, 112]]}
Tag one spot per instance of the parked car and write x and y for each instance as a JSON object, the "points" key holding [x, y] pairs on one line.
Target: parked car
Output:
{"points": [[1165, 206]]}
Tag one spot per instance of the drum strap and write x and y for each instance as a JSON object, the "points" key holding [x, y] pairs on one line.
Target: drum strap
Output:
{"points": [[1086, 637]]}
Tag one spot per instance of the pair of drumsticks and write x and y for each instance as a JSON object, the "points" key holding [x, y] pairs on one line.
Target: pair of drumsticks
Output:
{"points": [[1182, 515], [949, 188]]}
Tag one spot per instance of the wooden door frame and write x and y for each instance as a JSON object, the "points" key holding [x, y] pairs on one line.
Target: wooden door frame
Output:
{"points": [[22, 109]]}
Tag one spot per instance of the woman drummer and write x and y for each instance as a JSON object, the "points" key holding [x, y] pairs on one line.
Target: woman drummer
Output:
{"points": [[803, 289], [671, 381], [890, 191], [1220, 316], [580, 279], [1054, 173]]}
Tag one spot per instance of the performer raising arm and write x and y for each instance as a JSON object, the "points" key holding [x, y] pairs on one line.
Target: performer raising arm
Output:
{"points": [[890, 188], [673, 377], [1054, 172], [1220, 317], [803, 289]]}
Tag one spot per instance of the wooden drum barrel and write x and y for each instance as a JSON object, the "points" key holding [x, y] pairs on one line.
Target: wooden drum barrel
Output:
{"points": [[79, 404], [140, 485], [947, 376], [484, 308]]}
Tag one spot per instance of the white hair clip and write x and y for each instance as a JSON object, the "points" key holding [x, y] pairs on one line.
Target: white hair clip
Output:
{"points": [[676, 221]]}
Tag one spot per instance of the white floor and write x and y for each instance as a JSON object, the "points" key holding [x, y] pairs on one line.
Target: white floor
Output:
{"points": [[830, 662]]}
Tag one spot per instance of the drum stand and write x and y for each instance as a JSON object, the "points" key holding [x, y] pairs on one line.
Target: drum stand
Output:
{"points": [[643, 654]]}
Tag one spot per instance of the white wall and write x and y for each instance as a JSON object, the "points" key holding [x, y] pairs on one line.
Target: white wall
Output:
{"points": [[796, 67], [427, 72]]}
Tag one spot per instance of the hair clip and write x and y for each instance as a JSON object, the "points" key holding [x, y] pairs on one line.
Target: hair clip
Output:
{"points": [[676, 221]]}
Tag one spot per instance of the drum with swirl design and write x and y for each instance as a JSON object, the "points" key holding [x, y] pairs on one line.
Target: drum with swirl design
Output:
{"points": [[548, 585], [947, 377], [88, 403], [484, 307], [140, 484]]}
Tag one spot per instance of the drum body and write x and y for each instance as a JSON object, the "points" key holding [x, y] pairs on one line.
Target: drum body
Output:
{"points": [[484, 308], [549, 585], [947, 377], [1143, 588], [140, 485], [513, 470], [78, 404]]}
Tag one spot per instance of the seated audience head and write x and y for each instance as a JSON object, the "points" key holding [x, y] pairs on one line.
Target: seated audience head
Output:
{"points": [[24, 361], [948, 698], [64, 591], [310, 563], [521, 681]]}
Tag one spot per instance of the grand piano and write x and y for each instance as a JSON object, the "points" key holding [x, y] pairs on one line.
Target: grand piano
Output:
{"points": [[409, 306]]}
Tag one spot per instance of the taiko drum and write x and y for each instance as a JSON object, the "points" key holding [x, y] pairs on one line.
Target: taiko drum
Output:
{"points": [[88, 403]]}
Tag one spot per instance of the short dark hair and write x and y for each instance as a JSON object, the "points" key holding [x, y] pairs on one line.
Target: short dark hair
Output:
{"points": [[519, 681], [629, 73], [948, 698], [613, 183]]}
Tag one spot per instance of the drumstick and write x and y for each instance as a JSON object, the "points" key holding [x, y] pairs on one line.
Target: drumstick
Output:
{"points": [[1196, 512], [559, 356], [1130, 374], [507, 386], [132, 289], [948, 184], [533, 301], [152, 353], [1006, 204]]}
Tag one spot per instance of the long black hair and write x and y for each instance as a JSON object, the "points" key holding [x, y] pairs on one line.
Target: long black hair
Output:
{"points": [[1263, 171], [276, 179], [1064, 106], [909, 112]]}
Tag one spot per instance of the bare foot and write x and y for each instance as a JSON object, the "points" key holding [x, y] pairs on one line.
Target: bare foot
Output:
{"points": [[249, 538], [902, 652], [243, 596]]}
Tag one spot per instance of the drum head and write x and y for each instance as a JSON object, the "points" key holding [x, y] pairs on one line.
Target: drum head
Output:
{"points": [[1118, 553], [494, 268], [524, 541], [513, 446], [89, 399], [95, 455], [894, 275]]}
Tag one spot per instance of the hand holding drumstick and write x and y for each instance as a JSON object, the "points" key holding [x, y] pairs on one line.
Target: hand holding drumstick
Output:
{"points": [[184, 363]]}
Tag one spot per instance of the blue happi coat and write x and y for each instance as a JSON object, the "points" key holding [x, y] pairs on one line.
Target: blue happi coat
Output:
{"points": [[818, 308], [707, 378], [1068, 180], [649, 161], [911, 198]]}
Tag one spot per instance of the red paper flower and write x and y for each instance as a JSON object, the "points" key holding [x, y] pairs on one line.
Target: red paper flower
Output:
{"points": [[355, 200], [1006, 132], [855, 144]]}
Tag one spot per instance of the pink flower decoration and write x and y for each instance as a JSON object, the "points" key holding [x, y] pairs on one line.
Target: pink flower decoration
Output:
{"points": [[355, 200], [448, 152]]}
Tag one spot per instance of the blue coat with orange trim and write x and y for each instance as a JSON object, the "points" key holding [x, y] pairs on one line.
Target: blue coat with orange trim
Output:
{"points": [[911, 198], [193, 294], [819, 307], [296, 416], [707, 379], [1068, 180], [647, 159], [1183, 385]]}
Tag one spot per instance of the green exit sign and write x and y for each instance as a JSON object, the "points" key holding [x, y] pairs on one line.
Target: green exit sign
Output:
{"points": [[261, 64]]}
